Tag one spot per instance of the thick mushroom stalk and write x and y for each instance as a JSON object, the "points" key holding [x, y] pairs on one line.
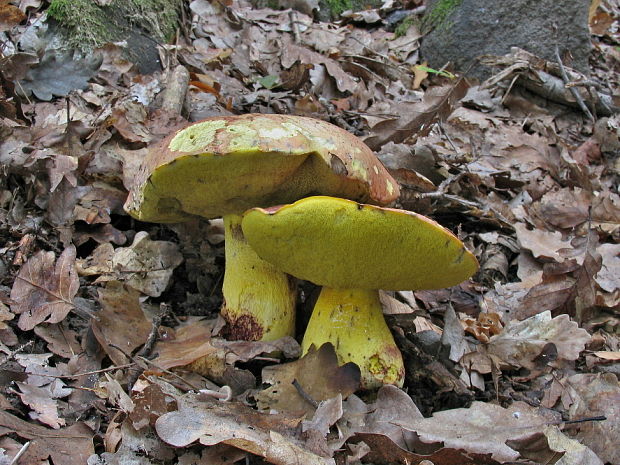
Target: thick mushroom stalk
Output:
{"points": [[352, 250], [352, 320], [259, 300]]}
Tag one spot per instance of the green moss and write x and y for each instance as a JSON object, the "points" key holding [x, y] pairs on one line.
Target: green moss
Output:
{"points": [[437, 16], [337, 7], [334, 8], [87, 25], [404, 26]]}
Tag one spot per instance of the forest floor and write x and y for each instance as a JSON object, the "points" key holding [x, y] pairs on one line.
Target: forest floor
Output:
{"points": [[102, 316]]}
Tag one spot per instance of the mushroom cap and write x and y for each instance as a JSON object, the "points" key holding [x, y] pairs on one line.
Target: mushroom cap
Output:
{"points": [[342, 244], [227, 164]]}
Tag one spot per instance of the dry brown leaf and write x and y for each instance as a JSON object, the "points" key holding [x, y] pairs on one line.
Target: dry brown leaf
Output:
{"points": [[608, 355], [5, 315], [44, 292], [592, 395], [189, 342], [146, 265], [121, 326], [415, 118], [10, 16], [113, 392], [149, 404], [483, 428], [42, 401], [318, 376], [211, 422], [68, 446], [521, 342], [292, 53], [60, 340], [545, 244], [383, 451], [608, 277]]}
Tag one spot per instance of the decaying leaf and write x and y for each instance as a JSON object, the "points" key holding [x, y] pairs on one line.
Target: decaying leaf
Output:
{"points": [[187, 343], [597, 394], [416, 118], [521, 342], [59, 74], [5, 315], [42, 401], [211, 422], [44, 291], [146, 265], [70, 446], [121, 325], [314, 377], [483, 428]]}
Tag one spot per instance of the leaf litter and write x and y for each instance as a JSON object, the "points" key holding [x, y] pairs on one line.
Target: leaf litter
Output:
{"points": [[125, 363]]}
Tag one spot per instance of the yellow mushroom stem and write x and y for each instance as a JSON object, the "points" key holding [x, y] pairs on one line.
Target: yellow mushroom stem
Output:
{"points": [[259, 300], [352, 320]]}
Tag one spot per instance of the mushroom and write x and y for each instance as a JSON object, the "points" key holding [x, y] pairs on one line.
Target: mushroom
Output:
{"points": [[352, 250], [224, 165]]}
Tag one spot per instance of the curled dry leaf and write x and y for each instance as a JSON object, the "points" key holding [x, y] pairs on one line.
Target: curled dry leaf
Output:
{"points": [[146, 265], [384, 451], [317, 377], [43, 403], [481, 429], [69, 446], [44, 291], [521, 342], [211, 422]]}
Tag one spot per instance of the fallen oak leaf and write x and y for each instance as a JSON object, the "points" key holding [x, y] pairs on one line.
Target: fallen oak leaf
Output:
{"points": [[121, 326], [521, 342], [481, 429], [313, 378], [211, 422], [44, 292], [385, 451], [69, 446]]}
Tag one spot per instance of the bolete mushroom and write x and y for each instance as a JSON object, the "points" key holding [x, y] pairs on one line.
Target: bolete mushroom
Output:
{"points": [[353, 250], [224, 165]]}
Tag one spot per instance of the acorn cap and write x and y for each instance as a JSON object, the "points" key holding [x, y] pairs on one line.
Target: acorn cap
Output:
{"points": [[228, 164], [342, 244]]}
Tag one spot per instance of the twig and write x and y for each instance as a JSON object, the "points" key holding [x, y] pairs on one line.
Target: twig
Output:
{"points": [[292, 15], [583, 420], [147, 348], [21, 348], [21, 452], [572, 89], [171, 373], [304, 394]]}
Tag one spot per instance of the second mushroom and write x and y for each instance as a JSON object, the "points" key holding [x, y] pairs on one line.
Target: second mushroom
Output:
{"points": [[352, 250]]}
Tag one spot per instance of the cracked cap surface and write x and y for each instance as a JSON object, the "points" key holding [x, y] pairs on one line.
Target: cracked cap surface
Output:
{"points": [[228, 164]]}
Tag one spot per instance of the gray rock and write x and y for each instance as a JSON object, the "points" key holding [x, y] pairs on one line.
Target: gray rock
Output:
{"points": [[465, 29]]}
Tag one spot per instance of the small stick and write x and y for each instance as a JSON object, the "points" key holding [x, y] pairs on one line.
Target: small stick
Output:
{"points": [[294, 26], [21, 452], [304, 394], [566, 80]]}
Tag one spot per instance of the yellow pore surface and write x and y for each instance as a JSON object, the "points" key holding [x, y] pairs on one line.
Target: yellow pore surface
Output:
{"points": [[342, 244]]}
